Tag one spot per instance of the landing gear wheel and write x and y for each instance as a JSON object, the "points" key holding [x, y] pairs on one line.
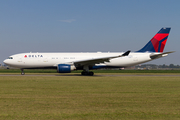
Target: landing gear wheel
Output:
{"points": [[83, 73], [87, 73], [91, 73], [22, 73]]}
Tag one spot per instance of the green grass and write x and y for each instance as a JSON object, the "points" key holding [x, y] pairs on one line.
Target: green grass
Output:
{"points": [[89, 97]]}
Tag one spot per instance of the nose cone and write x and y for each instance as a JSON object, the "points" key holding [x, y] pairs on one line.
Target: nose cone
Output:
{"points": [[10, 62], [5, 61]]}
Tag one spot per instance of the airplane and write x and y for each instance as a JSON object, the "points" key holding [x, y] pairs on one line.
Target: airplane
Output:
{"points": [[67, 62]]}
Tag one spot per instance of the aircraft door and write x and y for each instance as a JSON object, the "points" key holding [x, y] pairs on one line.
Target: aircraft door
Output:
{"points": [[45, 59], [19, 59]]}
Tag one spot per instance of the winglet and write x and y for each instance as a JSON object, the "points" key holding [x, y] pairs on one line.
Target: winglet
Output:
{"points": [[126, 53]]}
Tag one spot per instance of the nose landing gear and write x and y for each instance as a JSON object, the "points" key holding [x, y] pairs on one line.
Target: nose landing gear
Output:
{"points": [[22, 72]]}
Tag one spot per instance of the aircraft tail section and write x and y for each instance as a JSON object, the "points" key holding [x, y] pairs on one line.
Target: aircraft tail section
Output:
{"points": [[158, 42]]}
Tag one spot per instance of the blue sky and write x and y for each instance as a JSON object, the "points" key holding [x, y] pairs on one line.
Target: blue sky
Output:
{"points": [[87, 26]]}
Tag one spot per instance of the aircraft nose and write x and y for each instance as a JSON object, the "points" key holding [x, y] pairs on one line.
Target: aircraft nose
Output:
{"points": [[5, 61]]}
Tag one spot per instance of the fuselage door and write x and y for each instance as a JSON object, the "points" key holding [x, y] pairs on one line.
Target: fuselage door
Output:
{"points": [[19, 59], [45, 59]]}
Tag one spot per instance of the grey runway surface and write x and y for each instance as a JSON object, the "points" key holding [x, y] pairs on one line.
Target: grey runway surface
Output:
{"points": [[110, 75]]}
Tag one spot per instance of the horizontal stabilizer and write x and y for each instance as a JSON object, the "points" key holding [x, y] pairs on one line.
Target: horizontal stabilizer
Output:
{"points": [[155, 56]]}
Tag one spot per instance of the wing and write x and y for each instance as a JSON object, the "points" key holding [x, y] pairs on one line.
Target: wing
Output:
{"points": [[159, 55], [98, 60]]}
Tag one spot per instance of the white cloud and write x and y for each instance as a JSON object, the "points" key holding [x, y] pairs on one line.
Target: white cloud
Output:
{"points": [[68, 21]]}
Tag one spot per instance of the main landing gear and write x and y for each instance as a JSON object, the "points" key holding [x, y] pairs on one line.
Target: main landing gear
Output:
{"points": [[22, 72], [86, 71], [89, 73]]}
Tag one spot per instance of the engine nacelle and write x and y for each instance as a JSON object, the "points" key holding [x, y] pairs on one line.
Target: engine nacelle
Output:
{"points": [[65, 68]]}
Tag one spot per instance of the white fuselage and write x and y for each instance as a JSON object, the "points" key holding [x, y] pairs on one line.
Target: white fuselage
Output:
{"points": [[43, 60]]}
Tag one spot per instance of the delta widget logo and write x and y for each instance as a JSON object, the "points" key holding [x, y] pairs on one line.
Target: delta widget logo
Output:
{"points": [[33, 56]]}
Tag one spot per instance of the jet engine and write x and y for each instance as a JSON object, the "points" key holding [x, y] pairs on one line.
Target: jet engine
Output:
{"points": [[65, 68]]}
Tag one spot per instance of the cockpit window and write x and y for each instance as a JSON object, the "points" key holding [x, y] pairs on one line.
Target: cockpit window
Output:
{"points": [[10, 57]]}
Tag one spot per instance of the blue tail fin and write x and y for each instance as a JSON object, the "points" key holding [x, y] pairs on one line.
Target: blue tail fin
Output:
{"points": [[158, 42]]}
